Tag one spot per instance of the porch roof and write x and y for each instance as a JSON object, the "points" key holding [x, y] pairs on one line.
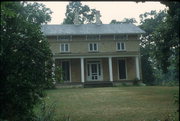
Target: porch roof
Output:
{"points": [[97, 55], [90, 29]]}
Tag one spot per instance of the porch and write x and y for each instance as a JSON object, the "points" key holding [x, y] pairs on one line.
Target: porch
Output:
{"points": [[97, 69]]}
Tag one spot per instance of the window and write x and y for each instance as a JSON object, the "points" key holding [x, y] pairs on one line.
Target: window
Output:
{"points": [[64, 37], [65, 70], [122, 69], [121, 37], [64, 47], [120, 46], [93, 37], [93, 47]]}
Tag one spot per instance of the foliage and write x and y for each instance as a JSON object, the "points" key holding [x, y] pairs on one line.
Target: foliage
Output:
{"points": [[58, 74], [176, 100], [166, 38], [86, 15], [168, 79], [125, 20], [46, 112], [23, 54], [160, 46], [124, 84], [136, 82], [149, 21], [50, 82], [147, 69]]}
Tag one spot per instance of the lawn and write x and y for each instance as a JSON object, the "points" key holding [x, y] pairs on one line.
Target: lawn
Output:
{"points": [[114, 103]]}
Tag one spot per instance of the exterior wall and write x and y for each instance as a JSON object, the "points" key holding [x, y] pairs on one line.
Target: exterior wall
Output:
{"points": [[105, 67], [79, 44], [115, 68], [131, 68], [75, 70]]}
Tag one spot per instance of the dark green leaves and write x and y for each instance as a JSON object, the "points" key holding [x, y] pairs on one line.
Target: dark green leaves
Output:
{"points": [[86, 15], [23, 54]]}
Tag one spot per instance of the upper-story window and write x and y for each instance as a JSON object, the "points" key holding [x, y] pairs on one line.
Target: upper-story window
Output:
{"points": [[93, 37], [64, 47], [121, 37], [93, 47], [120, 46], [64, 37]]}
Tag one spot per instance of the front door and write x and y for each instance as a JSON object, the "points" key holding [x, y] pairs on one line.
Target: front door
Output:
{"points": [[94, 71]]}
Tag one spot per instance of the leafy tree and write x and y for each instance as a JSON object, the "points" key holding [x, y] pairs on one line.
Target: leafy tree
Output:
{"points": [[166, 38], [86, 15], [149, 21], [115, 22], [162, 41], [125, 20], [23, 54], [147, 69]]}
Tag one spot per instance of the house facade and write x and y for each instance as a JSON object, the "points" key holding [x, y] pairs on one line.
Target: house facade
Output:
{"points": [[96, 52]]}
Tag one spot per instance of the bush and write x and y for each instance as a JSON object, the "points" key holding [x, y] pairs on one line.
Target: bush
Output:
{"points": [[58, 74], [169, 83], [46, 112], [136, 82], [24, 51], [176, 100], [124, 84]]}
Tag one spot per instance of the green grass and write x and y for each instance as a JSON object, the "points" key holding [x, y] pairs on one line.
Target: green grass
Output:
{"points": [[114, 103]]}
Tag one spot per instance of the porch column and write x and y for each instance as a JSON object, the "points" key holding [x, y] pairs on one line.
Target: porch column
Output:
{"points": [[82, 69], [137, 68], [110, 69]]}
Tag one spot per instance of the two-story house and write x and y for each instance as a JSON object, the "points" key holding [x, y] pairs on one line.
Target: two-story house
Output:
{"points": [[96, 52]]}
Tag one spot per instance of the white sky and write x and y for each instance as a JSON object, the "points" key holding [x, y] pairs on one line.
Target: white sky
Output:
{"points": [[109, 10]]}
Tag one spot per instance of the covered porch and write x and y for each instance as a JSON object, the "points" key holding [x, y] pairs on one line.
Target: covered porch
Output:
{"points": [[88, 69]]}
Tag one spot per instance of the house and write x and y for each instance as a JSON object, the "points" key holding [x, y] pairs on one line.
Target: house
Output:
{"points": [[96, 52]]}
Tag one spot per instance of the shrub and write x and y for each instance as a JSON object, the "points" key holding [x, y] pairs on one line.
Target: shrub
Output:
{"points": [[58, 74], [24, 51], [46, 112], [176, 100], [124, 84], [136, 82]]}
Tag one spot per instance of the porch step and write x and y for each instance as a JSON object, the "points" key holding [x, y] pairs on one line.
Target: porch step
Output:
{"points": [[98, 84]]}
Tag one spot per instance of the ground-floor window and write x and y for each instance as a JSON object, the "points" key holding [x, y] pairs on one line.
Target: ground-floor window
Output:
{"points": [[122, 69], [66, 70]]}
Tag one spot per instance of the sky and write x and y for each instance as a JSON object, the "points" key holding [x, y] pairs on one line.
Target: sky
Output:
{"points": [[109, 10]]}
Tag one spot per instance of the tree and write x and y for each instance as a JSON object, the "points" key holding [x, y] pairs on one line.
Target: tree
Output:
{"points": [[23, 54], [86, 15], [125, 20], [149, 22], [166, 37]]}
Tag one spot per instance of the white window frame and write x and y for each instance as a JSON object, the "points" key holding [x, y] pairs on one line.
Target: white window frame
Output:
{"points": [[64, 46], [93, 47], [120, 49]]}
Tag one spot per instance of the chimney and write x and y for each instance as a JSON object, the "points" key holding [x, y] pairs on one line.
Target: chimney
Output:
{"points": [[76, 20], [98, 21]]}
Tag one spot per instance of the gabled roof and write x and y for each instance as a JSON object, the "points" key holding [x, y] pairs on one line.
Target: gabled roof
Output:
{"points": [[87, 29]]}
